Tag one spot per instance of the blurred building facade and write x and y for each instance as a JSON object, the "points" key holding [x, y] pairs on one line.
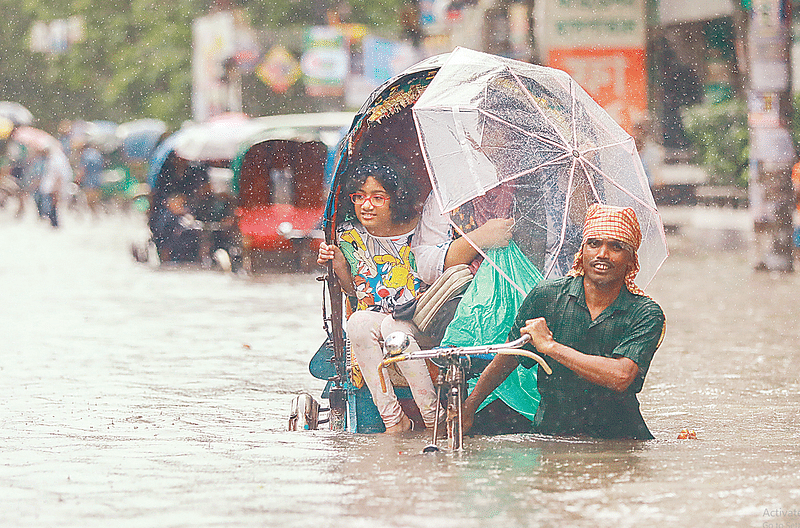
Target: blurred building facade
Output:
{"points": [[642, 60], [686, 52]]}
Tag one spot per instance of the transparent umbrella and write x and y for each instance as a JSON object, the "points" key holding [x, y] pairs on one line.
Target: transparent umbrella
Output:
{"points": [[503, 138]]}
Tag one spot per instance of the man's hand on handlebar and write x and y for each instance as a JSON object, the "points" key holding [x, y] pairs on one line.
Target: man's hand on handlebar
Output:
{"points": [[541, 336]]}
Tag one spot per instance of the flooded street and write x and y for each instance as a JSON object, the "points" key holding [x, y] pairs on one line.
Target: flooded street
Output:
{"points": [[138, 397]]}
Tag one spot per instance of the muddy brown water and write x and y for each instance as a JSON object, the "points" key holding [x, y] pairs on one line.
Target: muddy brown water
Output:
{"points": [[137, 397]]}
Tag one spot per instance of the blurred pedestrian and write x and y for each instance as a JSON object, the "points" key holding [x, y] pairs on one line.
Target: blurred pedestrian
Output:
{"points": [[66, 137], [55, 177], [216, 212], [13, 173], [175, 231], [90, 169]]}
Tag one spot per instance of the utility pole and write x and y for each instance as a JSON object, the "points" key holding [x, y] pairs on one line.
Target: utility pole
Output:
{"points": [[771, 148]]}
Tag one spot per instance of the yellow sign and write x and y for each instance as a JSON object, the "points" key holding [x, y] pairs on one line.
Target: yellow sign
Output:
{"points": [[279, 70]]}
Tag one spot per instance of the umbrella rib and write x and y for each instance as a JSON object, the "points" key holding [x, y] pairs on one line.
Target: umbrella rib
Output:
{"points": [[599, 171], [564, 218], [536, 105], [463, 138], [618, 186], [553, 161], [610, 145], [543, 139], [574, 121], [584, 162]]}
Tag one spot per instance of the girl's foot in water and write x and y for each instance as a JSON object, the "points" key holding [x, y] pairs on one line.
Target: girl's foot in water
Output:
{"points": [[405, 424]]}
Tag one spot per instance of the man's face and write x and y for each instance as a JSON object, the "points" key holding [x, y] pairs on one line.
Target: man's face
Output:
{"points": [[606, 262]]}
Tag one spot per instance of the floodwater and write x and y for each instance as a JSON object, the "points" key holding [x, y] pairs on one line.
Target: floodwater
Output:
{"points": [[131, 396]]}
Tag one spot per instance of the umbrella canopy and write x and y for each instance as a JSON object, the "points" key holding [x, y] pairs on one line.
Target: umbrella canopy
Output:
{"points": [[17, 113], [100, 133], [35, 138], [140, 137], [215, 140], [103, 134], [384, 125], [504, 138]]}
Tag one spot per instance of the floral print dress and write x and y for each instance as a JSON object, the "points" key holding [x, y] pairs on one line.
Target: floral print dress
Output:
{"points": [[383, 268]]}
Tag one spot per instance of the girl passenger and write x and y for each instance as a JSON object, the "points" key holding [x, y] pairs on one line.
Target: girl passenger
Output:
{"points": [[373, 262]]}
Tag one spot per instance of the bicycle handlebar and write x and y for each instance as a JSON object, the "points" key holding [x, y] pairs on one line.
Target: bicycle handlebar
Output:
{"points": [[507, 349]]}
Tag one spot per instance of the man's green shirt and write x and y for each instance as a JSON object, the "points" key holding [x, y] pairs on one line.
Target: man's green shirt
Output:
{"points": [[631, 327]]}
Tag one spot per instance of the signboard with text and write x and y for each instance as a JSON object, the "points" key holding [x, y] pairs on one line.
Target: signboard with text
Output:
{"points": [[591, 23], [615, 78], [601, 44]]}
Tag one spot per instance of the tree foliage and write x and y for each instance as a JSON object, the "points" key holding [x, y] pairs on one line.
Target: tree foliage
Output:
{"points": [[136, 58], [719, 134], [134, 61]]}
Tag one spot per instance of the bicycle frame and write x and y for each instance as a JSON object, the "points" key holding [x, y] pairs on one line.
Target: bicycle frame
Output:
{"points": [[456, 360], [454, 379]]}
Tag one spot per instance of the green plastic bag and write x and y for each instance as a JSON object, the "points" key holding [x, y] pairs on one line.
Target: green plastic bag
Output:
{"points": [[485, 315]]}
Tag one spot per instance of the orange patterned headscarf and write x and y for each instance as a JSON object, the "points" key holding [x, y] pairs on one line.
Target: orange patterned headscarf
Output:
{"points": [[619, 223]]}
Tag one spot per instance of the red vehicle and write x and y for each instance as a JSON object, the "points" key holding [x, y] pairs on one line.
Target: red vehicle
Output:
{"points": [[281, 177]]}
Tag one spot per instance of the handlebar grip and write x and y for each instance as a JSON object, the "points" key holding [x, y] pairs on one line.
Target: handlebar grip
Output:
{"points": [[516, 352]]}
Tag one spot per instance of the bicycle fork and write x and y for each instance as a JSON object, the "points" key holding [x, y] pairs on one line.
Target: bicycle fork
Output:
{"points": [[455, 434], [453, 380]]}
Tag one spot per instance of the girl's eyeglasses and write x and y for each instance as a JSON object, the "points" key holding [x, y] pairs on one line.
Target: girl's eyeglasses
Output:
{"points": [[376, 201]]}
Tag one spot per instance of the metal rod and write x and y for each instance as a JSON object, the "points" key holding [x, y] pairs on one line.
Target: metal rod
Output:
{"points": [[501, 348]]}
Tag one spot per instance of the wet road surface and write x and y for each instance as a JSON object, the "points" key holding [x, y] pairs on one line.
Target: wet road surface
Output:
{"points": [[137, 397]]}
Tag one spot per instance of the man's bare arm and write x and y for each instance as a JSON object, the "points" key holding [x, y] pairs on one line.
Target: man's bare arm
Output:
{"points": [[491, 377], [614, 373]]}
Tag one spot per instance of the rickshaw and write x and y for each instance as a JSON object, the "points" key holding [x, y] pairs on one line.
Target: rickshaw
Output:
{"points": [[118, 184], [194, 163], [280, 180], [384, 120], [492, 138]]}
